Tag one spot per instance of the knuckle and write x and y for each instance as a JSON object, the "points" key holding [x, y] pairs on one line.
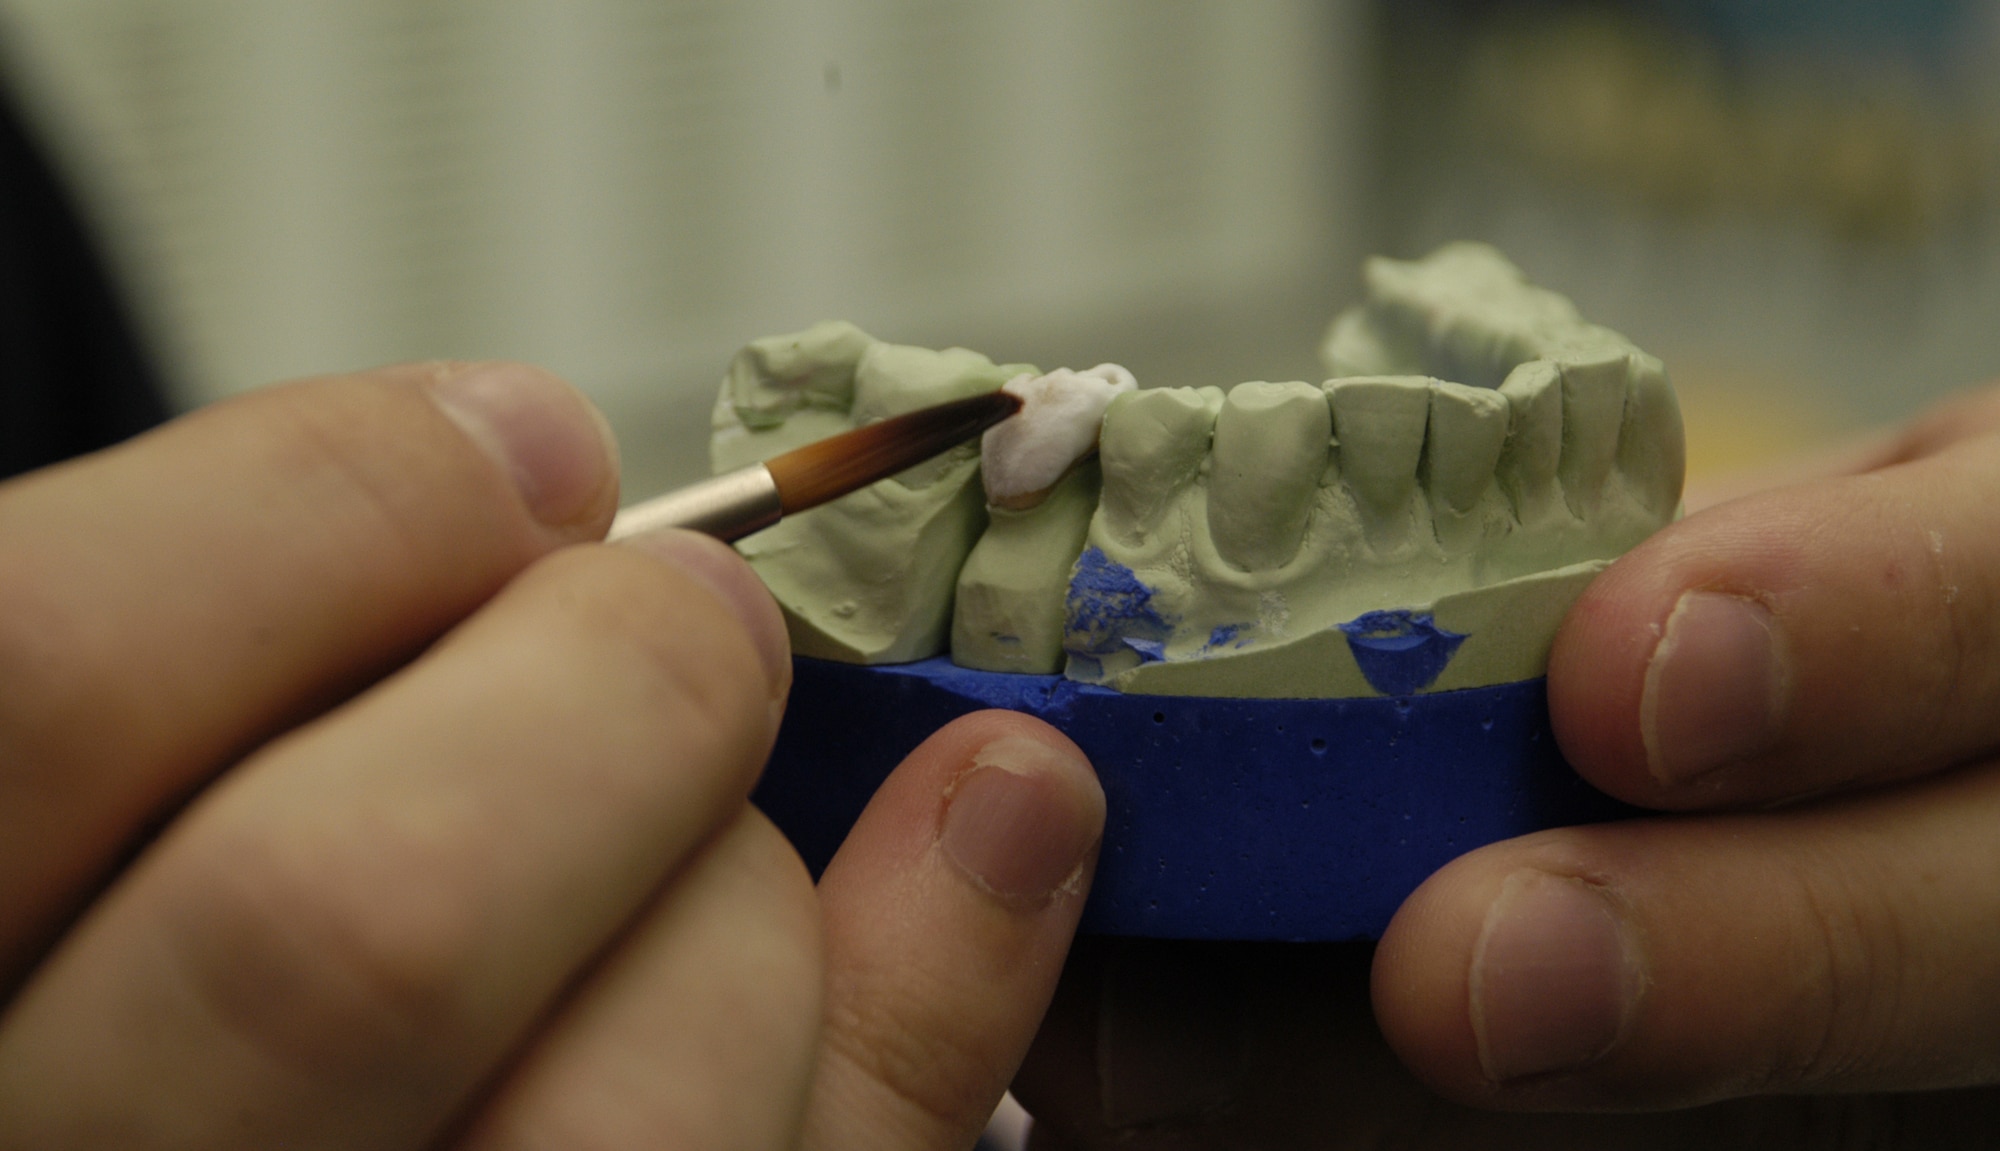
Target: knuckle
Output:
{"points": [[1910, 604], [381, 463], [384, 481], [320, 963], [1949, 673], [54, 676], [1855, 941], [695, 665]]}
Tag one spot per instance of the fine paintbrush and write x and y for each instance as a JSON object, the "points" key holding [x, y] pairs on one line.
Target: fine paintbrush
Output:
{"points": [[734, 504]]}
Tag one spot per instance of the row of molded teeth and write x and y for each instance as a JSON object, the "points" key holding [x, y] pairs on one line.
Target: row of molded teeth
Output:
{"points": [[1561, 461], [1241, 518]]}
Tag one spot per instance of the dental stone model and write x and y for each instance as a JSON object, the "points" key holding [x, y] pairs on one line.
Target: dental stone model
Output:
{"points": [[869, 577], [1420, 522]]}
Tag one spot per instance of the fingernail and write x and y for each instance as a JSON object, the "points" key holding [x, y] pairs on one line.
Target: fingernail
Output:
{"points": [[716, 566], [1023, 818], [1553, 980], [548, 438], [1714, 688]]}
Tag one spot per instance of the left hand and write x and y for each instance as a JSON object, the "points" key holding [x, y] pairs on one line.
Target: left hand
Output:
{"points": [[1814, 936]]}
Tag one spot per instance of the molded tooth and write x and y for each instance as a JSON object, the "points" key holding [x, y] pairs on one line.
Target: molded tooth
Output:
{"points": [[1008, 613], [1153, 443], [1652, 447], [867, 578], [1271, 444], [891, 379], [1533, 455], [773, 377], [1593, 391], [1468, 428], [1379, 426]]}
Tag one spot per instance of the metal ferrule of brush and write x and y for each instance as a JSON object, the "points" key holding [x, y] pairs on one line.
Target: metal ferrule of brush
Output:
{"points": [[728, 507]]}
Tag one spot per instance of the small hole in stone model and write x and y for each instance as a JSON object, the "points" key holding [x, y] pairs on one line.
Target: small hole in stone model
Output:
{"points": [[1159, 717], [1319, 747]]}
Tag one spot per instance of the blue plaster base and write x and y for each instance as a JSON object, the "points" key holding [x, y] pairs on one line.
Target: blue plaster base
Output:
{"points": [[1228, 818]]}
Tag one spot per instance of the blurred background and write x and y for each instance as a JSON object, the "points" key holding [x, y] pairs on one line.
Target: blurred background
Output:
{"points": [[1794, 204]]}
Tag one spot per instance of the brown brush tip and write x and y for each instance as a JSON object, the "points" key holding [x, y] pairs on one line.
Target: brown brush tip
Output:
{"points": [[830, 468]]}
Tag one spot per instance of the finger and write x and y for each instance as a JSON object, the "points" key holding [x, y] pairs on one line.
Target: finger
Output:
{"points": [[1171, 1045], [1842, 947], [1864, 453], [1972, 415], [1967, 416], [948, 911], [337, 943], [1815, 637], [698, 1031], [170, 602]]}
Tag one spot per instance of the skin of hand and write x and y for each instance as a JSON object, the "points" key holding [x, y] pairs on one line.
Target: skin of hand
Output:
{"points": [[1802, 954], [353, 795]]}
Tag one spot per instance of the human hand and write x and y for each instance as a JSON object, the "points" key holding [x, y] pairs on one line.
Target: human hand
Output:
{"points": [[351, 797], [1814, 937]]}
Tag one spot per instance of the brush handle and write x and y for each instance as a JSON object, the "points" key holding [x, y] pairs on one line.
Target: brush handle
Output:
{"points": [[728, 507]]}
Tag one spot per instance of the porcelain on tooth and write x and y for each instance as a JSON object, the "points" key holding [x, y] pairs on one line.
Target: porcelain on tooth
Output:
{"points": [[1042, 487], [869, 577], [1021, 459], [1481, 453], [1241, 546]]}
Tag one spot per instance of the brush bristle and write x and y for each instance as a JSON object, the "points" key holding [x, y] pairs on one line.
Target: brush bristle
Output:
{"points": [[831, 468]]}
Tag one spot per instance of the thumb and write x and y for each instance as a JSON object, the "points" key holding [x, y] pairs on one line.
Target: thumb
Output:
{"points": [[1841, 946], [948, 913]]}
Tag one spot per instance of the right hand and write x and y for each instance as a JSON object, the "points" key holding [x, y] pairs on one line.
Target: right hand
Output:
{"points": [[352, 796]]}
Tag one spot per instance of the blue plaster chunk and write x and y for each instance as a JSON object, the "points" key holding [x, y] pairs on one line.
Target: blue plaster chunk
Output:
{"points": [[1150, 650], [1225, 635], [1400, 652], [1109, 607]]}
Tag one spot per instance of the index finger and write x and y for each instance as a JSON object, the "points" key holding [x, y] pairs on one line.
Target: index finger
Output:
{"points": [[170, 603], [1970, 416], [1825, 635]]}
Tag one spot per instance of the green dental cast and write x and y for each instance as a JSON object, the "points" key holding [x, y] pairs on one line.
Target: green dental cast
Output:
{"points": [[1247, 526]]}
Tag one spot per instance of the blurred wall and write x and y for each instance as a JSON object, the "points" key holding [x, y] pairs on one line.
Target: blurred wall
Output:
{"points": [[626, 190], [1796, 205]]}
